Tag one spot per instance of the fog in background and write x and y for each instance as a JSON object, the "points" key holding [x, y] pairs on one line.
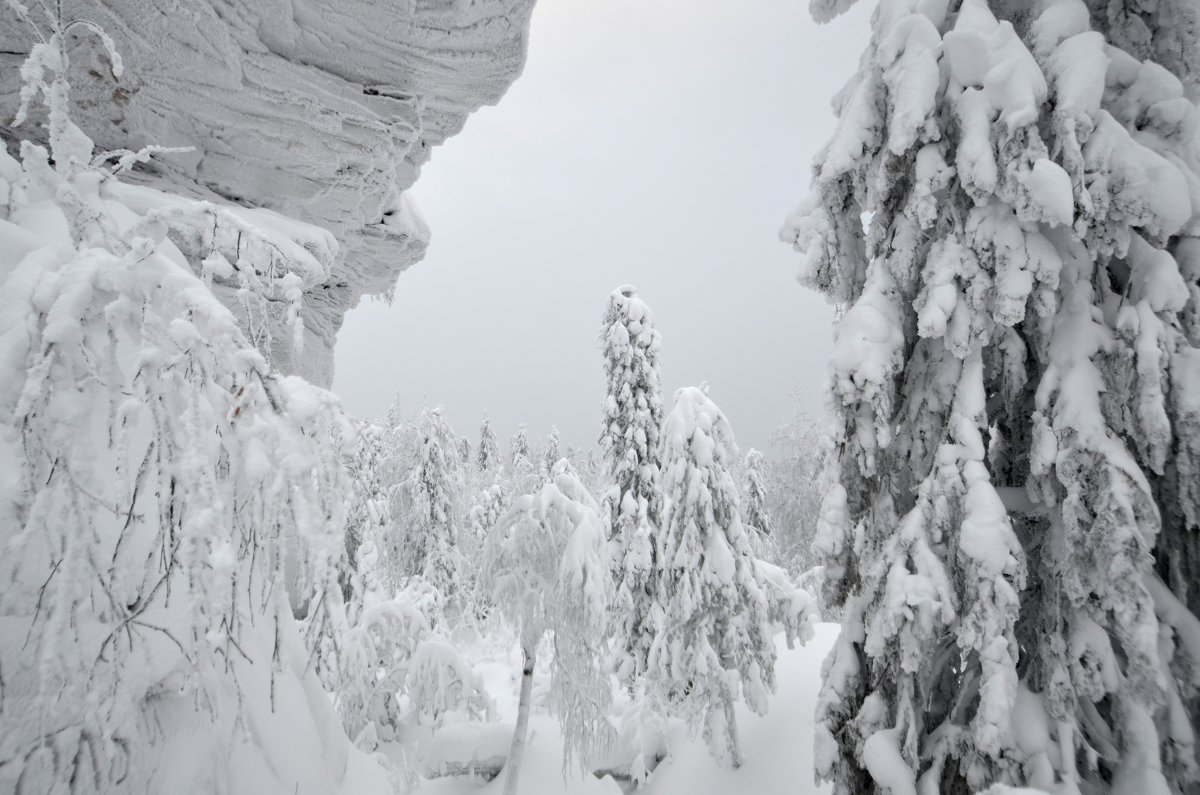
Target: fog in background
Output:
{"points": [[653, 142]]}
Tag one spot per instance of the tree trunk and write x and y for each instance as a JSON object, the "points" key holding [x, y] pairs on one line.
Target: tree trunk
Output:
{"points": [[513, 768], [735, 750]]}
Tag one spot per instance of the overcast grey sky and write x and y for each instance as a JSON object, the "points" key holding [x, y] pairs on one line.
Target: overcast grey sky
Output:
{"points": [[653, 142]]}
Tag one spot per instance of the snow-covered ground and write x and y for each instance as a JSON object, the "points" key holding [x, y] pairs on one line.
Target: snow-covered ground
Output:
{"points": [[777, 747]]}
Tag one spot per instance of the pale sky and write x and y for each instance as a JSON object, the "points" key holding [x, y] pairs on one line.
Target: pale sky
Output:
{"points": [[653, 142]]}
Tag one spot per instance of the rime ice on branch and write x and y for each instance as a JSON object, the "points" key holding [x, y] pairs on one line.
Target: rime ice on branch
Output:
{"points": [[169, 502]]}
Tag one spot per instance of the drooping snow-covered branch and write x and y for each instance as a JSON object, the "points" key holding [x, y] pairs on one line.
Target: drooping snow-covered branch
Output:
{"points": [[1007, 214]]}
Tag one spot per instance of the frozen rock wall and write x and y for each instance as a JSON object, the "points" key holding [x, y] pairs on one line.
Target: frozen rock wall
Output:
{"points": [[322, 111]]}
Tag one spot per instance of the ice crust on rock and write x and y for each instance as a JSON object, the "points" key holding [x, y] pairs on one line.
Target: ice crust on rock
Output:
{"points": [[322, 112]]}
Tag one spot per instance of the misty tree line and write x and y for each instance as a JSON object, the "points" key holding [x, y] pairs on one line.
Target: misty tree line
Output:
{"points": [[447, 535], [780, 490]]}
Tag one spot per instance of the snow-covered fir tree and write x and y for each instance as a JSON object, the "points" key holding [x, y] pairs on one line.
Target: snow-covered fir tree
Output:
{"points": [[519, 455], [491, 504], [756, 516], [488, 454], [399, 440], [793, 484], [428, 521], [522, 471], [1007, 214], [551, 454], [714, 634], [629, 441], [367, 509]]}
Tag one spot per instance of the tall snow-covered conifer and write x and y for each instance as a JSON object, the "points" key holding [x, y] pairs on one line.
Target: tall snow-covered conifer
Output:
{"points": [[1007, 215], [632, 504], [714, 631]]}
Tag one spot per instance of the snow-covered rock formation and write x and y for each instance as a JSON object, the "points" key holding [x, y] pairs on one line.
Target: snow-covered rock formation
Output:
{"points": [[323, 112]]}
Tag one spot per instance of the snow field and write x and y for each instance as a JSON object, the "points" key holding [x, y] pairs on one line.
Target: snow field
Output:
{"points": [[776, 747]]}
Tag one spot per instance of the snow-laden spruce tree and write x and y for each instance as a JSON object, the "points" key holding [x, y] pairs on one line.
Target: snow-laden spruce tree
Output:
{"points": [[488, 454], [1007, 216], [520, 456], [491, 503], [793, 487], [551, 454], [714, 634], [366, 510], [756, 516], [489, 506], [428, 513], [632, 500], [167, 502], [546, 569]]}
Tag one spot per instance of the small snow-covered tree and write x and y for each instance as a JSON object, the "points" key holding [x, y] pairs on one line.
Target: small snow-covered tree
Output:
{"points": [[592, 471], [439, 682], [488, 454], [429, 515], [551, 454], [491, 504], [793, 486], [1007, 214], [632, 501], [367, 509], [396, 674], [546, 568], [714, 634], [521, 470], [519, 455], [373, 668], [756, 515], [399, 440]]}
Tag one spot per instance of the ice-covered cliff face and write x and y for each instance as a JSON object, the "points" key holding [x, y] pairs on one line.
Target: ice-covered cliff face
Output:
{"points": [[322, 111]]}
